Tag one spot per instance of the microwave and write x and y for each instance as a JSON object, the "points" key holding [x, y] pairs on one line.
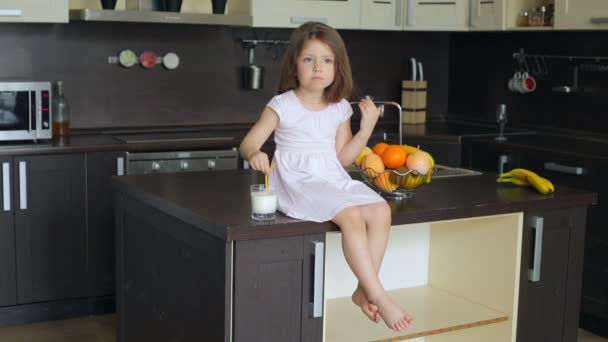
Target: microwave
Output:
{"points": [[25, 111]]}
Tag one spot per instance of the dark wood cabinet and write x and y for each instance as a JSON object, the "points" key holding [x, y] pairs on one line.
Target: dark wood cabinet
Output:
{"points": [[489, 157], [50, 227], [101, 167], [8, 275], [551, 270], [278, 276]]}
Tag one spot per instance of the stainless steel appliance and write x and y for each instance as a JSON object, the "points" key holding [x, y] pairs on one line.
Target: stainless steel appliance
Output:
{"points": [[181, 161], [25, 111]]}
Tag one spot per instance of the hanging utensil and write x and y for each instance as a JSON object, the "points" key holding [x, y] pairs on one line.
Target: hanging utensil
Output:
{"points": [[253, 75]]}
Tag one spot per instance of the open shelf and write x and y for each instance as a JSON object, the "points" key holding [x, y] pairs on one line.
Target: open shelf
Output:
{"points": [[89, 14], [436, 312]]}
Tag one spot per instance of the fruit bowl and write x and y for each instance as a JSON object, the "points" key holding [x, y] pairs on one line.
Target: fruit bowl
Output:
{"points": [[395, 183]]}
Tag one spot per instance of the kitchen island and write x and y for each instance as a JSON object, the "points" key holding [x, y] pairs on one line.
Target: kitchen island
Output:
{"points": [[484, 261]]}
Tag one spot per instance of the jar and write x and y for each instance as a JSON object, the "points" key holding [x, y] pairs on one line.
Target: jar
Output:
{"points": [[537, 17], [522, 19]]}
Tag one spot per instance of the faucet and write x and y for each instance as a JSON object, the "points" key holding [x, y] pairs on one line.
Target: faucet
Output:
{"points": [[501, 119], [381, 105]]}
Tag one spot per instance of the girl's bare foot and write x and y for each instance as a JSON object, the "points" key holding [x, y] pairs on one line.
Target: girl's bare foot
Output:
{"points": [[370, 310], [393, 315]]}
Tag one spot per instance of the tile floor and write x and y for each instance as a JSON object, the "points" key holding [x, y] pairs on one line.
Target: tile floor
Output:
{"points": [[102, 329]]}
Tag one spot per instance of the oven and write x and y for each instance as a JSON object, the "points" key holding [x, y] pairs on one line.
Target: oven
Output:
{"points": [[25, 111], [181, 161]]}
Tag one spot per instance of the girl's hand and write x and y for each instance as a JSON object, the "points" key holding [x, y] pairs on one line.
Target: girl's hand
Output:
{"points": [[369, 115], [259, 162]]}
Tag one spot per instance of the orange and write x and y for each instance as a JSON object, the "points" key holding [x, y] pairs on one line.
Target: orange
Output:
{"points": [[379, 148], [394, 156], [366, 151], [372, 165], [383, 181]]}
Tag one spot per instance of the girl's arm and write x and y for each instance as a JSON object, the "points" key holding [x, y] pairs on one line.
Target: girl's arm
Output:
{"points": [[348, 146], [255, 138]]}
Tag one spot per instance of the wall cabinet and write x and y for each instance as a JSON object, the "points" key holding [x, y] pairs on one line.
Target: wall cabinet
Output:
{"points": [[382, 15], [34, 11], [43, 229], [487, 15], [343, 14], [443, 15], [581, 14]]}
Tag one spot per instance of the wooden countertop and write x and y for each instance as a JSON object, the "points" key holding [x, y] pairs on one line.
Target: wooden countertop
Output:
{"points": [[218, 202]]}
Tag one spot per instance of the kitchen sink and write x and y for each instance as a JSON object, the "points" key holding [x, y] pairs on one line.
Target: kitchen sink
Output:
{"points": [[442, 171]]}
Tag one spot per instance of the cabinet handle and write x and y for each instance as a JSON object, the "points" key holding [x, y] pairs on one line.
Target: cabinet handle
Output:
{"points": [[571, 170], [11, 12], [536, 223], [409, 21], [120, 166], [599, 21], [23, 185], [302, 20], [316, 307], [502, 161], [6, 186], [399, 12], [472, 12]]}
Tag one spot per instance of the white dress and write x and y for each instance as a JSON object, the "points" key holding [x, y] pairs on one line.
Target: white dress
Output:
{"points": [[310, 182]]}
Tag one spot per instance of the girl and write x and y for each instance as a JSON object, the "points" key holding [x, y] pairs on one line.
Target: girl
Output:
{"points": [[311, 122]]}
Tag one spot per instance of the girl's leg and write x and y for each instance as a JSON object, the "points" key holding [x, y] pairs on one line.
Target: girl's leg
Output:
{"points": [[356, 250], [377, 218]]}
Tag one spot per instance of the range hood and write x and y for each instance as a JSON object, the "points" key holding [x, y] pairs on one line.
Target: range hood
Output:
{"points": [[89, 14]]}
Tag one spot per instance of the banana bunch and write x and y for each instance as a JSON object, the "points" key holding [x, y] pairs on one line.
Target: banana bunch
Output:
{"points": [[412, 181], [523, 177]]}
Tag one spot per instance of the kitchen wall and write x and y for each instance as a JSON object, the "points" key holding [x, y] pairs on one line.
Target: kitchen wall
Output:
{"points": [[205, 89], [482, 63]]}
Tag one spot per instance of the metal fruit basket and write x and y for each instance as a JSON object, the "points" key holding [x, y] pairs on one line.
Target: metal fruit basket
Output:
{"points": [[394, 183]]}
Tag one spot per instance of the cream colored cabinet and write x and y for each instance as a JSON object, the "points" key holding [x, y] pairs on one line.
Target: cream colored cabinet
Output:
{"points": [[581, 14], [438, 15], [341, 14], [487, 15], [34, 11], [382, 14]]}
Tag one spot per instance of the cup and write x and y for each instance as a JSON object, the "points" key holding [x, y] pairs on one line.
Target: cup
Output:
{"points": [[263, 202], [218, 6], [526, 83], [514, 81], [108, 4]]}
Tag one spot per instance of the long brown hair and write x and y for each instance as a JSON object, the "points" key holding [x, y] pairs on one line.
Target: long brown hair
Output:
{"points": [[343, 80]]}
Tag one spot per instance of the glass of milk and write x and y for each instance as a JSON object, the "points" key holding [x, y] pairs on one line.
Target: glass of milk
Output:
{"points": [[263, 202]]}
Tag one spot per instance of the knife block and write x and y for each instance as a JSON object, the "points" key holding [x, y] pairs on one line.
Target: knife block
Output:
{"points": [[413, 101]]}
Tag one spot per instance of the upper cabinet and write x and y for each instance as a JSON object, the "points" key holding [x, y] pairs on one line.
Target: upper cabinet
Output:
{"points": [[34, 11], [487, 15], [382, 15], [441, 15], [581, 14], [341, 14]]}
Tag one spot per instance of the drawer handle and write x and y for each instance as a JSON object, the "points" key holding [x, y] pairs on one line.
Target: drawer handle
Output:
{"points": [[536, 223], [11, 12], [6, 186], [571, 170], [316, 307], [120, 166], [302, 20], [599, 21]]}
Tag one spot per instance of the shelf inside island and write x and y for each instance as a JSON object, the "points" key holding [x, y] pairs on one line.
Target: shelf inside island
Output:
{"points": [[458, 278]]}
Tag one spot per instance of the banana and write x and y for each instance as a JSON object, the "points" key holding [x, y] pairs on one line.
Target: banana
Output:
{"points": [[428, 175], [539, 183], [513, 180]]}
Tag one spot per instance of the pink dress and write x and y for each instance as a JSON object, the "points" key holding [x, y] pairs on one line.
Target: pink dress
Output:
{"points": [[310, 182]]}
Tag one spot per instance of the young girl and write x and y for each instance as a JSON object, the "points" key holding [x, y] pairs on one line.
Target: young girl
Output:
{"points": [[311, 122]]}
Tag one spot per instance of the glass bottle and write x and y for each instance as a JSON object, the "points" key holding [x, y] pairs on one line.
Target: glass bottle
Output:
{"points": [[61, 113]]}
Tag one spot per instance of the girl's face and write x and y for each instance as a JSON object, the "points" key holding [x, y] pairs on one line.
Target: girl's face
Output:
{"points": [[316, 69]]}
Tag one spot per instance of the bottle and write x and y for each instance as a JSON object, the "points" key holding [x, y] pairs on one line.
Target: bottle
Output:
{"points": [[61, 113]]}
